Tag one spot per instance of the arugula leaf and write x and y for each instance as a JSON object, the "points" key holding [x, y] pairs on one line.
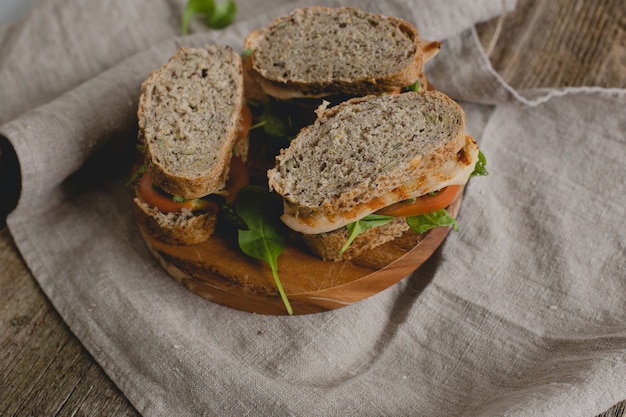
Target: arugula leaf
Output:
{"points": [[480, 167], [416, 86], [265, 239], [224, 15], [360, 226], [275, 124], [136, 175], [217, 16], [274, 121], [425, 222], [229, 214]]}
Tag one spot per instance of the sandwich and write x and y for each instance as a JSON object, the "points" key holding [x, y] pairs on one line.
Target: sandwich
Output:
{"points": [[333, 54], [385, 159], [320, 51], [193, 134]]}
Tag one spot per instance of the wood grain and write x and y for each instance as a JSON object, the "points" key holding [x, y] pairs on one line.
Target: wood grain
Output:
{"points": [[559, 44], [44, 371]]}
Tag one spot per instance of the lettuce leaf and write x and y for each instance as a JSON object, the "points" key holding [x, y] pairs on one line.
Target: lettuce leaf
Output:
{"points": [[217, 16], [360, 226], [480, 169], [265, 238], [425, 222]]}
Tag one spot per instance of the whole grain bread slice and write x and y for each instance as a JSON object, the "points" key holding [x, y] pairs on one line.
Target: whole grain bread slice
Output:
{"points": [[366, 149], [319, 51], [184, 228], [327, 246], [188, 114]]}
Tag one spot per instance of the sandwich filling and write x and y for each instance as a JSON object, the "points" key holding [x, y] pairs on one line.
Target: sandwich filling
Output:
{"points": [[455, 171]]}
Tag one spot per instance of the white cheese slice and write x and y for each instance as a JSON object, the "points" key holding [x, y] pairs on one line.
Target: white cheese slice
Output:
{"points": [[453, 172]]}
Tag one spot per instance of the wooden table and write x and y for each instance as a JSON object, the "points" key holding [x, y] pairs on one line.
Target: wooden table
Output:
{"points": [[45, 371]]}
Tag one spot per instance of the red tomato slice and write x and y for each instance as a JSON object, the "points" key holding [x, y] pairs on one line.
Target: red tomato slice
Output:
{"points": [[245, 122], [238, 178], [422, 205], [165, 202]]}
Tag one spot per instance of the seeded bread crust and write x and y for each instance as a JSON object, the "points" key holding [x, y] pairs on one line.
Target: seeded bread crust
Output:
{"points": [[318, 51], [184, 228], [327, 245], [188, 114], [365, 148]]}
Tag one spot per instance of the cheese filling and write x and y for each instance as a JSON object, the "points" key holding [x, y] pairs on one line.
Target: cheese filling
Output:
{"points": [[453, 172]]}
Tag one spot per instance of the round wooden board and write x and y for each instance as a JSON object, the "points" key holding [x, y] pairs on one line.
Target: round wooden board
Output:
{"points": [[218, 271]]}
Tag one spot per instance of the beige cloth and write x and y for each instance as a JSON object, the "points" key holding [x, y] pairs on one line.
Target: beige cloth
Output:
{"points": [[521, 313]]}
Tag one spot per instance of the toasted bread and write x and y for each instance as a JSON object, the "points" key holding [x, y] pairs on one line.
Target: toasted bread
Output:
{"points": [[184, 228], [188, 115], [320, 51], [328, 245]]}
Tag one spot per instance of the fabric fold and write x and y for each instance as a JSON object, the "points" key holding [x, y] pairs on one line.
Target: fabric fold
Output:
{"points": [[520, 313]]}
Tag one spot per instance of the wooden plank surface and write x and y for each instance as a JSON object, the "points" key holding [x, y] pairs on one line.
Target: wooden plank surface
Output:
{"points": [[559, 43], [44, 370]]}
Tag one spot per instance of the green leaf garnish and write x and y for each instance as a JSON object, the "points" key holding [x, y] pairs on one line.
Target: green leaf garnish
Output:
{"points": [[246, 53], [223, 16], [257, 125], [480, 167], [178, 199], [425, 222], [265, 239], [275, 124], [360, 226], [217, 16], [416, 86], [136, 175]]}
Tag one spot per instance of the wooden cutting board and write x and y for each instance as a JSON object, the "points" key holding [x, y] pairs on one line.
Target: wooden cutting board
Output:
{"points": [[218, 271]]}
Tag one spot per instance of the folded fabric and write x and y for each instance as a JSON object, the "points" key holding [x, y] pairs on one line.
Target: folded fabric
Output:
{"points": [[520, 313]]}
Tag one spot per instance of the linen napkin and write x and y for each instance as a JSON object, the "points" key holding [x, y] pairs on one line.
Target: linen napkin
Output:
{"points": [[520, 313]]}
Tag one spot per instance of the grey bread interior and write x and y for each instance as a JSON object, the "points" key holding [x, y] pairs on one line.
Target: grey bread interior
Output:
{"points": [[314, 45], [188, 113], [367, 147]]}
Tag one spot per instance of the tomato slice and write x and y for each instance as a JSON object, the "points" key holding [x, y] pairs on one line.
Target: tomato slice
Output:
{"points": [[238, 177], [245, 121], [165, 202], [422, 205]]}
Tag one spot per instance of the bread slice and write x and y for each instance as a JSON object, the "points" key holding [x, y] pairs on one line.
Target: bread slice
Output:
{"points": [[320, 51], [188, 115], [184, 228], [328, 245], [368, 153]]}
